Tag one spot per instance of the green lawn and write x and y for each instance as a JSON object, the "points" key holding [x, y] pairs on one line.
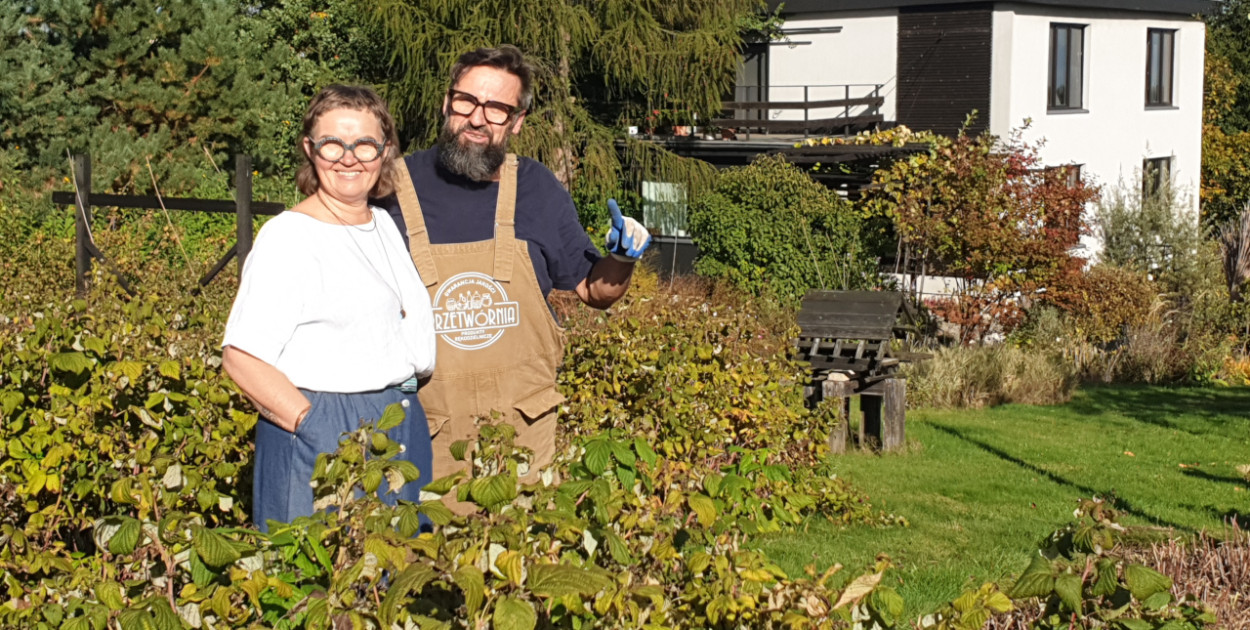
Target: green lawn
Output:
{"points": [[980, 488]]}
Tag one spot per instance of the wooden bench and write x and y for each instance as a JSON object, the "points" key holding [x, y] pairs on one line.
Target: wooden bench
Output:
{"points": [[846, 337]]}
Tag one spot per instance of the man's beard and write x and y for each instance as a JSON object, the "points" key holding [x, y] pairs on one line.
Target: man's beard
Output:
{"points": [[477, 162]]}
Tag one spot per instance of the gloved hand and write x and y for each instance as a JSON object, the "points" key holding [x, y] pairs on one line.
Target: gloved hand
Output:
{"points": [[627, 238]]}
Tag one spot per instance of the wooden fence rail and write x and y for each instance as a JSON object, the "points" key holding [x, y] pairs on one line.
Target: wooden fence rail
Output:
{"points": [[243, 207]]}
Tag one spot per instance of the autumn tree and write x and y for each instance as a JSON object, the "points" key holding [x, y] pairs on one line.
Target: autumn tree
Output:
{"points": [[988, 212]]}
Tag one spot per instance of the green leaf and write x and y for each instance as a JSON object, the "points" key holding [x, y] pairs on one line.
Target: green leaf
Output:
{"points": [[1068, 588], [704, 507], [132, 370], [1136, 624], [411, 579], [373, 477], [617, 547], [644, 451], [200, 574], [9, 402], [1158, 601], [408, 469], [409, 521], [126, 538], [598, 456], [473, 585], [492, 491], [998, 602], [170, 369], [136, 619], [1036, 581], [1144, 581], [627, 477], [514, 614], [110, 594], [436, 512], [888, 603], [458, 449], [560, 580], [154, 400], [77, 623], [1106, 580], [443, 485], [711, 483], [212, 548], [318, 613], [75, 362], [164, 617], [391, 417], [621, 451]]}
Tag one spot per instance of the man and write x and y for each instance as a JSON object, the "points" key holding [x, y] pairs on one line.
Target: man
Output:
{"points": [[491, 235]]}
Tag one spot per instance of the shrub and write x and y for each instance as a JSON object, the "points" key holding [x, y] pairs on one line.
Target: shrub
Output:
{"points": [[1152, 234], [980, 376], [1104, 301], [128, 462], [983, 209], [769, 229]]}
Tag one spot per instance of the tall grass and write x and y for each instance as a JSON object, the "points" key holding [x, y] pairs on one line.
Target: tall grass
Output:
{"points": [[980, 376]]}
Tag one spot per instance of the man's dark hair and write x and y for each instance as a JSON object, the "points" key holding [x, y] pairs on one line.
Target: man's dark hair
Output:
{"points": [[508, 58]]}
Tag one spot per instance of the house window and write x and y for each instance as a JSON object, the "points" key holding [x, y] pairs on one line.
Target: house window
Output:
{"points": [[1156, 176], [1071, 174], [1159, 53], [1067, 64]]}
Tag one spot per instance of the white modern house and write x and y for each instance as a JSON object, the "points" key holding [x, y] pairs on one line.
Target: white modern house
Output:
{"points": [[1114, 87]]}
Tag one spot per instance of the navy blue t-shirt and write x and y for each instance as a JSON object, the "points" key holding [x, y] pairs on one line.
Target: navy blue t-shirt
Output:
{"points": [[460, 210]]}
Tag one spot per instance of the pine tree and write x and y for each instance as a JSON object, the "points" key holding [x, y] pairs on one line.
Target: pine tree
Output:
{"points": [[183, 84], [601, 64]]}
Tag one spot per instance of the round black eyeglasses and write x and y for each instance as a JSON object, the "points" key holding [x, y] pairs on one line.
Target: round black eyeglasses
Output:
{"points": [[332, 149], [494, 112]]}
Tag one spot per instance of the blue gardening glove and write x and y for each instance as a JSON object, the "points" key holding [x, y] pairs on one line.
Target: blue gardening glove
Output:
{"points": [[627, 239]]}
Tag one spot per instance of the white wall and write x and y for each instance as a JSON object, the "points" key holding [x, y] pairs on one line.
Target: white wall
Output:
{"points": [[864, 52], [1116, 131]]}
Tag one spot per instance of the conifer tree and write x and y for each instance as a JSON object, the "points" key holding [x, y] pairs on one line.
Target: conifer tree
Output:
{"points": [[182, 83], [601, 64]]}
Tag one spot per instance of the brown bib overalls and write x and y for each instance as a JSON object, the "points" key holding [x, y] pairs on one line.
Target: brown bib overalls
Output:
{"points": [[498, 346]]}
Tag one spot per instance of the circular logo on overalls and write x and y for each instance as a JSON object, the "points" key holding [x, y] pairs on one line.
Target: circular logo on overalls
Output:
{"points": [[472, 311]]}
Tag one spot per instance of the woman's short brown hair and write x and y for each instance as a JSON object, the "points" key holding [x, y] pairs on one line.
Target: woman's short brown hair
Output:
{"points": [[360, 98]]}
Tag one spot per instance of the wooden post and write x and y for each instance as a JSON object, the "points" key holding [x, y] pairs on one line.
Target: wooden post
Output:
{"points": [[82, 221], [895, 403], [243, 208], [841, 433], [870, 427]]}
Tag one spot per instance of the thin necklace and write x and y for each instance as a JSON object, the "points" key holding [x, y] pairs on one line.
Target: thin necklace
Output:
{"points": [[397, 291]]}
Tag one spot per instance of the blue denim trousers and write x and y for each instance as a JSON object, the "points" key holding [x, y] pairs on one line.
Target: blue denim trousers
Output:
{"points": [[285, 460]]}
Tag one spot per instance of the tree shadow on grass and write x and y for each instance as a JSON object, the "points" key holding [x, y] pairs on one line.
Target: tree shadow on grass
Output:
{"points": [[1202, 474], [1206, 411], [1087, 491]]}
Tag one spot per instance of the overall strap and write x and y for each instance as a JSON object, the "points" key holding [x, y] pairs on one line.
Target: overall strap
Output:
{"points": [[505, 224], [418, 237]]}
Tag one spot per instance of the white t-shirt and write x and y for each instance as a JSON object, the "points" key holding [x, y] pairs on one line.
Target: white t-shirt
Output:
{"points": [[321, 302]]}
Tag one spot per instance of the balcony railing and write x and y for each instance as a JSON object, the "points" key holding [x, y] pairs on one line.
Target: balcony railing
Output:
{"points": [[824, 109]]}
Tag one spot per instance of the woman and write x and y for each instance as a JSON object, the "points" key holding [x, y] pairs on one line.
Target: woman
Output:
{"points": [[332, 323]]}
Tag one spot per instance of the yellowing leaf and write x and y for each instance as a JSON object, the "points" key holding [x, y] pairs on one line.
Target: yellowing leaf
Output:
{"points": [[858, 589], [514, 614]]}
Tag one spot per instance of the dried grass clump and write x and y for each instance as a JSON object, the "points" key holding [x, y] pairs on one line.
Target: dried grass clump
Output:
{"points": [[981, 376], [1216, 571]]}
